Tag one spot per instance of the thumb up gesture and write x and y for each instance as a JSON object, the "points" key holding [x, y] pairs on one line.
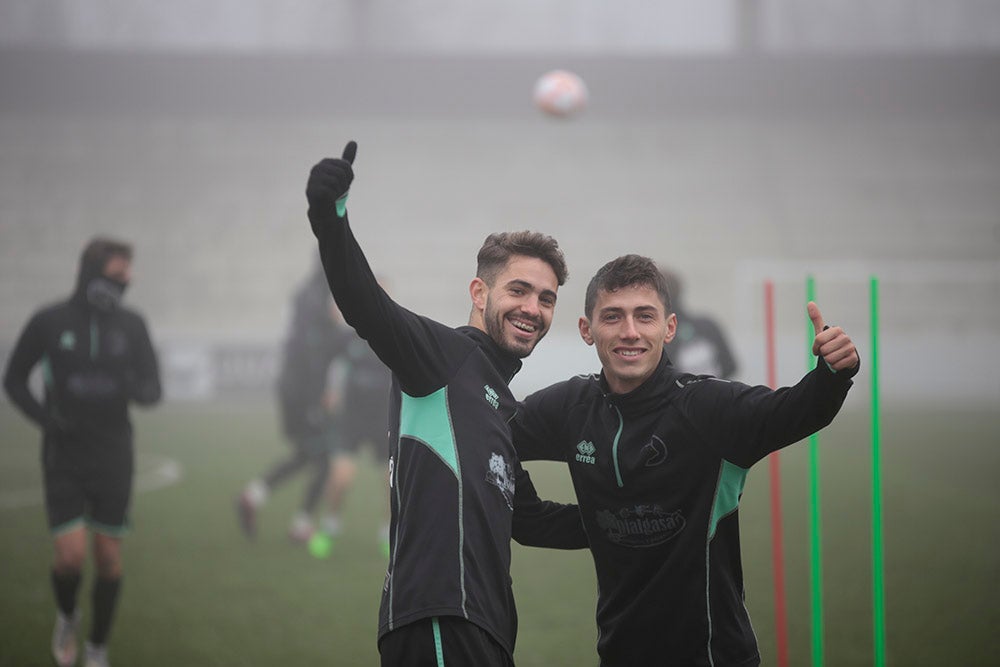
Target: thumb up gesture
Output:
{"points": [[832, 343]]}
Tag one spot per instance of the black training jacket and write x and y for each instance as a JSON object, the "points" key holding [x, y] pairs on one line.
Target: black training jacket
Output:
{"points": [[658, 474], [93, 364], [457, 490]]}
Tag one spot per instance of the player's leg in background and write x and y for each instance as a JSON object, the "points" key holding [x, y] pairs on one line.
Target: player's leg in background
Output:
{"points": [[65, 502], [67, 568], [321, 542], [104, 597], [343, 471], [257, 491], [302, 527], [109, 495]]}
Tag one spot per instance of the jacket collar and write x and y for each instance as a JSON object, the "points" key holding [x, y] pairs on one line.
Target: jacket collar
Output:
{"points": [[651, 395], [506, 363]]}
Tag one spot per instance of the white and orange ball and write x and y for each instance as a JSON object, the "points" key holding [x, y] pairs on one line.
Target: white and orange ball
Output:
{"points": [[560, 93]]}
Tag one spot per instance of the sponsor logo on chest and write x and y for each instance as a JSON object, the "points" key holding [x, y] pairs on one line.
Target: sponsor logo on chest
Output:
{"points": [[585, 452], [640, 525]]}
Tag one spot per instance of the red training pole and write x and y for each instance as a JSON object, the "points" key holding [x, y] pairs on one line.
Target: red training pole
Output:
{"points": [[778, 557]]}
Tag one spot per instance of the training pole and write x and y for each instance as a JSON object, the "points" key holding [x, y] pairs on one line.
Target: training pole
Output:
{"points": [[777, 527], [815, 551], [878, 582]]}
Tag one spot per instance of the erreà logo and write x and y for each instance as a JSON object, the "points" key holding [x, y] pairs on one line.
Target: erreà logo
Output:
{"points": [[67, 341], [585, 452], [492, 397]]}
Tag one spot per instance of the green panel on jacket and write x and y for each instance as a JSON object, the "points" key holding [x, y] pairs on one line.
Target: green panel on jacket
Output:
{"points": [[427, 420]]}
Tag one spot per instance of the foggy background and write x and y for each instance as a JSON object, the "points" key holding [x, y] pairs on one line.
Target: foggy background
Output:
{"points": [[735, 141]]}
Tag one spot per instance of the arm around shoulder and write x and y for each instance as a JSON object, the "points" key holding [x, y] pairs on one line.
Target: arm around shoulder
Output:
{"points": [[544, 523]]}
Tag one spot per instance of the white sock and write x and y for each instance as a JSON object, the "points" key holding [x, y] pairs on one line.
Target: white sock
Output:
{"points": [[256, 492]]}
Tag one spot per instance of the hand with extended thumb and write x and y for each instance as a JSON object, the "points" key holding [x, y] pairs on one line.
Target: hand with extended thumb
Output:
{"points": [[832, 343], [328, 184]]}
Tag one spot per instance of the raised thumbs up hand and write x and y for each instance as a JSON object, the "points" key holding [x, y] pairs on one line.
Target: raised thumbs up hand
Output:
{"points": [[328, 184], [832, 343]]}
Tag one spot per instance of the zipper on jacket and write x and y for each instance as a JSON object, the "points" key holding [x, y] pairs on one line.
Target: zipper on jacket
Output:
{"points": [[614, 447]]}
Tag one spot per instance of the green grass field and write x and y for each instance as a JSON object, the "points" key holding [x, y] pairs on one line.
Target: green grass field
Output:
{"points": [[196, 593]]}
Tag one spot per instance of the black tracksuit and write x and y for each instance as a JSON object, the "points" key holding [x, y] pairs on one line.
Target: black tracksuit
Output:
{"points": [[658, 473], [94, 363], [314, 341], [457, 491]]}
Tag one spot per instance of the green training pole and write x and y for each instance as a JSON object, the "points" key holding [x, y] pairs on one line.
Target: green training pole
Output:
{"points": [[878, 582], [815, 552]]}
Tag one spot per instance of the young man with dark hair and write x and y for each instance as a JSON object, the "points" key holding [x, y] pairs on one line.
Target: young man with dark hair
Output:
{"points": [[658, 459], [457, 491], [97, 358]]}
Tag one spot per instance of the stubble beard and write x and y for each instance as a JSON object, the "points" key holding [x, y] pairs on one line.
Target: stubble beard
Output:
{"points": [[494, 321]]}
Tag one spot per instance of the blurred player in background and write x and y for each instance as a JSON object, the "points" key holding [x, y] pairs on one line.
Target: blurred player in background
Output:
{"points": [[658, 459], [457, 491], [362, 417], [96, 358], [307, 403], [699, 345]]}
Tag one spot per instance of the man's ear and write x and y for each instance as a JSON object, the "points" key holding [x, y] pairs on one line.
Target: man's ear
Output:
{"points": [[584, 325], [478, 290], [671, 328]]}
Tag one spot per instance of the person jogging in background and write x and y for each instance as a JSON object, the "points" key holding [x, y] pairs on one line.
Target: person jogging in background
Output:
{"points": [[457, 491], [316, 336], [658, 459], [362, 385], [96, 358]]}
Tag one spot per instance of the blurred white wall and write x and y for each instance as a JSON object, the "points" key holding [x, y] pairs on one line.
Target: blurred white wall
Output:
{"points": [[780, 139], [512, 26]]}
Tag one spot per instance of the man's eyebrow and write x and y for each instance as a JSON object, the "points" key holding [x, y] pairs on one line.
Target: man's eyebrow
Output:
{"points": [[620, 309]]}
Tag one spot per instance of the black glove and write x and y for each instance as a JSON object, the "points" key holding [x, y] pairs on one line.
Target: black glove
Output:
{"points": [[329, 181]]}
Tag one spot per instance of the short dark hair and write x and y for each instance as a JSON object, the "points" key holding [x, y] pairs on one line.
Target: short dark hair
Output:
{"points": [[626, 271], [499, 247], [101, 248]]}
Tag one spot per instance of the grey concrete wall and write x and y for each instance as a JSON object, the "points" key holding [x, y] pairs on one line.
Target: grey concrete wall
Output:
{"points": [[508, 27], [214, 201]]}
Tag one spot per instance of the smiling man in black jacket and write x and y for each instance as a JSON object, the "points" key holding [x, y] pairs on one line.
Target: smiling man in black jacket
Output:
{"points": [[457, 491], [658, 459]]}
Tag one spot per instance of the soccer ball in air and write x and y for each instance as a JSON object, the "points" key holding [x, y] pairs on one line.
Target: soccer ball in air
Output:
{"points": [[560, 93]]}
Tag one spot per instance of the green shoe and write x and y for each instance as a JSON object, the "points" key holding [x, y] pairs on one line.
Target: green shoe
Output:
{"points": [[320, 545]]}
